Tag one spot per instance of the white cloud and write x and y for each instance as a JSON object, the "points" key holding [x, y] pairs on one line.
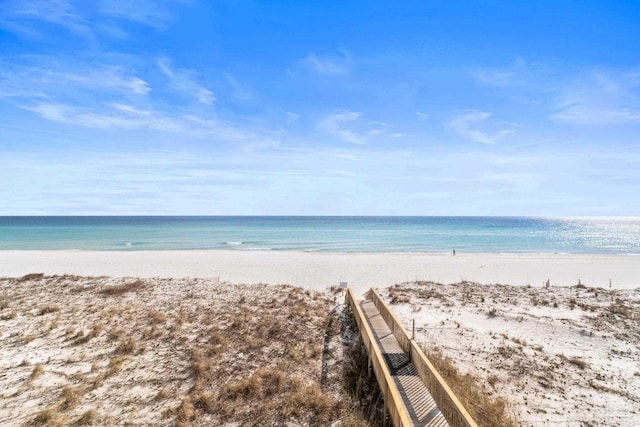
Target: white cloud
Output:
{"points": [[292, 117], [183, 82], [505, 76], [67, 81], [147, 12], [334, 124], [109, 78], [82, 18], [118, 116], [115, 116], [113, 98], [229, 131], [422, 116], [600, 98], [596, 115], [350, 127], [20, 16], [472, 126], [129, 109], [328, 65]]}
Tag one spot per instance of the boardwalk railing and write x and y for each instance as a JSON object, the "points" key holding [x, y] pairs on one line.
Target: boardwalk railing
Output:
{"points": [[392, 400], [447, 402]]}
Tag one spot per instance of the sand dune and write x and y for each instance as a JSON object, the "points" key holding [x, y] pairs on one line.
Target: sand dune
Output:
{"points": [[562, 356]]}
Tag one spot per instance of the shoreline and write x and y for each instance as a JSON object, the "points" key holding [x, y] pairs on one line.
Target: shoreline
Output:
{"points": [[321, 270]]}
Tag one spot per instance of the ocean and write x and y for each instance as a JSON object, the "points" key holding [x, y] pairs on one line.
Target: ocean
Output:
{"points": [[326, 234]]}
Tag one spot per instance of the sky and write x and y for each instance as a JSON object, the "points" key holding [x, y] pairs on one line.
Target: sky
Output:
{"points": [[196, 107]]}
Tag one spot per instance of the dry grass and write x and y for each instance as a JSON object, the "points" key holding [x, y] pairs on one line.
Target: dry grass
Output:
{"points": [[486, 410], [116, 333], [575, 361], [49, 417], [156, 317], [620, 309], [163, 394], [114, 367], [37, 372], [11, 315], [188, 352], [364, 402], [48, 308], [118, 290], [31, 277], [70, 397], [128, 346], [88, 418]]}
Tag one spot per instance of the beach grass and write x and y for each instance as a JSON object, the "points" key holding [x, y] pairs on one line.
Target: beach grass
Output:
{"points": [[172, 352]]}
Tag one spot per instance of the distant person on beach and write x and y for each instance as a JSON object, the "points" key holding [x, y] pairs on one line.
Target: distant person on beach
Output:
{"points": [[454, 252]]}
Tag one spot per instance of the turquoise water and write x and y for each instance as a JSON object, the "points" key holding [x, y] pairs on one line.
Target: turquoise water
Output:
{"points": [[329, 234]]}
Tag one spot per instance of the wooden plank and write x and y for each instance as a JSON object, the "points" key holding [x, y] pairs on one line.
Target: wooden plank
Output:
{"points": [[393, 401], [447, 401], [420, 405]]}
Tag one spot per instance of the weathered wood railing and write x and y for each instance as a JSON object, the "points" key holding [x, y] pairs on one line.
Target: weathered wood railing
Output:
{"points": [[453, 411], [392, 400]]}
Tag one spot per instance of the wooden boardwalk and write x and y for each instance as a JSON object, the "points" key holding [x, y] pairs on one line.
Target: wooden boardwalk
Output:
{"points": [[420, 405]]}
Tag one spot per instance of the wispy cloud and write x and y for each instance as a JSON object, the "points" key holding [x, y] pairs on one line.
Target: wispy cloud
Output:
{"points": [[327, 64], [151, 13], [81, 18], [184, 82], [477, 127], [105, 97], [67, 80], [422, 116], [292, 117], [111, 78], [600, 98], [116, 116], [502, 76], [20, 16], [336, 124], [349, 126]]}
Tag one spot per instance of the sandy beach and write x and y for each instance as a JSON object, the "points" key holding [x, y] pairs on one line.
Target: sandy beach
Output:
{"points": [[320, 270], [563, 354]]}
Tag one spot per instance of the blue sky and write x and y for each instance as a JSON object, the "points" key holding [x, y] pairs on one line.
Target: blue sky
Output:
{"points": [[194, 107]]}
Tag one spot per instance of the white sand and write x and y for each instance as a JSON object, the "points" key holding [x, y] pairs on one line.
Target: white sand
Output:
{"points": [[561, 356], [524, 338], [320, 270], [134, 357]]}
